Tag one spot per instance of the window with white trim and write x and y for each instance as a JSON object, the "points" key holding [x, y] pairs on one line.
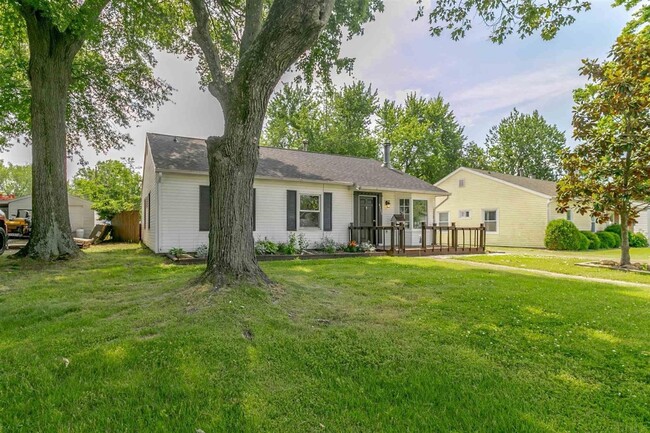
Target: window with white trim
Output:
{"points": [[569, 215], [491, 220], [593, 224], [405, 209], [464, 214], [443, 219], [420, 212], [309, 211], [461, 183]]}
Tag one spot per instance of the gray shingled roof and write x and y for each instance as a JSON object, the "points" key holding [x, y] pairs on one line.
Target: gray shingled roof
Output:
{"points": [[190, 154], [542, 186]]}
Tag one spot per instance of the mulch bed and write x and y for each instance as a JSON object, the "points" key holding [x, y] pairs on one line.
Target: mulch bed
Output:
{"points": [[641, 268], [188, 259]]}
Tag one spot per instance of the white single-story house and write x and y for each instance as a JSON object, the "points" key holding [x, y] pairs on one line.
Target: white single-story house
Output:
{"points": [[82, 216], [318, 195], [514, 209]]}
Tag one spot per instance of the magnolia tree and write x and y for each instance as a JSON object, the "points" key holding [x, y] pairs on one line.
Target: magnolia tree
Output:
{"points": [[610, 170], [73, 70]]}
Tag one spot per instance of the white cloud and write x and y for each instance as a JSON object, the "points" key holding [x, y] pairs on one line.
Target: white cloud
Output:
{"points": [[537, 86]]}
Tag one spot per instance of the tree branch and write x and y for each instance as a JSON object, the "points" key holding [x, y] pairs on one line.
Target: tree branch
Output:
{"points": [[252, 25], [290, 29], [201, 34]]}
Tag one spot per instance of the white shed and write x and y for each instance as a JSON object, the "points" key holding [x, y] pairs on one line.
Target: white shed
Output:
{"points": [[82, 216]]}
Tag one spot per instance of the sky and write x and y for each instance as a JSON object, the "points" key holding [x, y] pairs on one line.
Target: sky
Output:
{"points": [[481, 80]]}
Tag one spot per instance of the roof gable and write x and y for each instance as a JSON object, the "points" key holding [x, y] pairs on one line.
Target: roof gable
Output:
{"points": [[172, 153], [544, 188]]}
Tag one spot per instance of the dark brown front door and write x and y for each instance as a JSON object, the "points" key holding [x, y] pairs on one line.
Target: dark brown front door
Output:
{"points": [[367, 217]]}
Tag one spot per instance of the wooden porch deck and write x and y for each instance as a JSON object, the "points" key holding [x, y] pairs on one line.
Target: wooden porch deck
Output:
{"points": [[435, 240]]}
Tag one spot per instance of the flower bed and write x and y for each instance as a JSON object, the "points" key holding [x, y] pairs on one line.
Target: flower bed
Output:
{"points": [[642, 268], [295, 248]]}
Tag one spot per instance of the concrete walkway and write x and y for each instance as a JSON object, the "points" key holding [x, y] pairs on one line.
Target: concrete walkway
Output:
{"points": [[538, 272]]}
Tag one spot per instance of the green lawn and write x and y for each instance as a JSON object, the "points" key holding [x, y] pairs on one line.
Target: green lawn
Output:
{"points": [[564, 262], [119, 341], [637, 254]]}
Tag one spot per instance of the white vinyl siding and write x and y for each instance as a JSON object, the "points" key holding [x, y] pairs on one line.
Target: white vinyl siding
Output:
{"points": [[149, 232]]}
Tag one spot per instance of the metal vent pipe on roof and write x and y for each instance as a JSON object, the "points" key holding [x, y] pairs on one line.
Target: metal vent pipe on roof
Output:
{"points": [[387, 147]]}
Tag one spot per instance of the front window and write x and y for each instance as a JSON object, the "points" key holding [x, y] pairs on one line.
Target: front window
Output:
{"points": [[443, 219], [405, 209], [309, 211], [490, 219], [419, 212]]}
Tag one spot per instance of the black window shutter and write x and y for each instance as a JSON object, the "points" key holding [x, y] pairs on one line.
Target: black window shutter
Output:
{"points": [[204, 208], [291, 211], [327, 208], [149, 210], [254, 209]]}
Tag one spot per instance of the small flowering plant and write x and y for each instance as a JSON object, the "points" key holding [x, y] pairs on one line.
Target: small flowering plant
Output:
{"points": [[352, 247]]}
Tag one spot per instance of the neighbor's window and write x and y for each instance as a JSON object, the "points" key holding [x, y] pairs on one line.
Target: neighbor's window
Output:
{"points": [[593, 224], [464, 214], [490, 220], [443, 219], [569, 215], [419, 213], [405, 208], [461, 183], [309, 211]]}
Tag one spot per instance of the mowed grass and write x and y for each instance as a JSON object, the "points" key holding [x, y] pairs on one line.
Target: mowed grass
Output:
{"points": [[119, 341], [564, 262]]}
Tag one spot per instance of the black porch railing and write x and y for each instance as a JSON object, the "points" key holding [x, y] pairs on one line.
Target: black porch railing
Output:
{"points": [[434, 239]]}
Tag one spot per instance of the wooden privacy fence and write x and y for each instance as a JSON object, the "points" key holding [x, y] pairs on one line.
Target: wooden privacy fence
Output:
{"points": [[126, 226], [434, 239]]}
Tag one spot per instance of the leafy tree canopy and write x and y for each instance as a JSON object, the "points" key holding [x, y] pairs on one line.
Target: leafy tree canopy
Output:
{"points": [[428, 142], [609, 170], [112, 78], [112, 186], [15, 179], [327, 120], [526, 145]]}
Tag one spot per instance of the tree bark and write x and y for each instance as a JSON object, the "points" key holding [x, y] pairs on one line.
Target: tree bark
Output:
{"points": [[625, 240], [50, 71], [290, 29]]}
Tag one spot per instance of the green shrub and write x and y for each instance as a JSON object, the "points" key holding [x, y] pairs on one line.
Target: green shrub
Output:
{"points": [[607, 239], [564, 235], [265, 246], [614, 228], [584, 242], [617, 239], [638, 240], [594, 240], [327, 245]]}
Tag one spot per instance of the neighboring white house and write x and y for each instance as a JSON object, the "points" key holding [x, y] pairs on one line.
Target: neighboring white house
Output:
{"points": [[514, 209], [295, 191], [82, 216]]}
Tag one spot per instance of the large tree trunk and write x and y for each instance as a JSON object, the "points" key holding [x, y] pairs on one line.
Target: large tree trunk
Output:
{"points": [[625, 240], [267, 51], [50, 70]]}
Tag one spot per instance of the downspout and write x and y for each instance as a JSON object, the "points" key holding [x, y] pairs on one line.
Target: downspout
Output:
{"points": [[437, 206]]}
